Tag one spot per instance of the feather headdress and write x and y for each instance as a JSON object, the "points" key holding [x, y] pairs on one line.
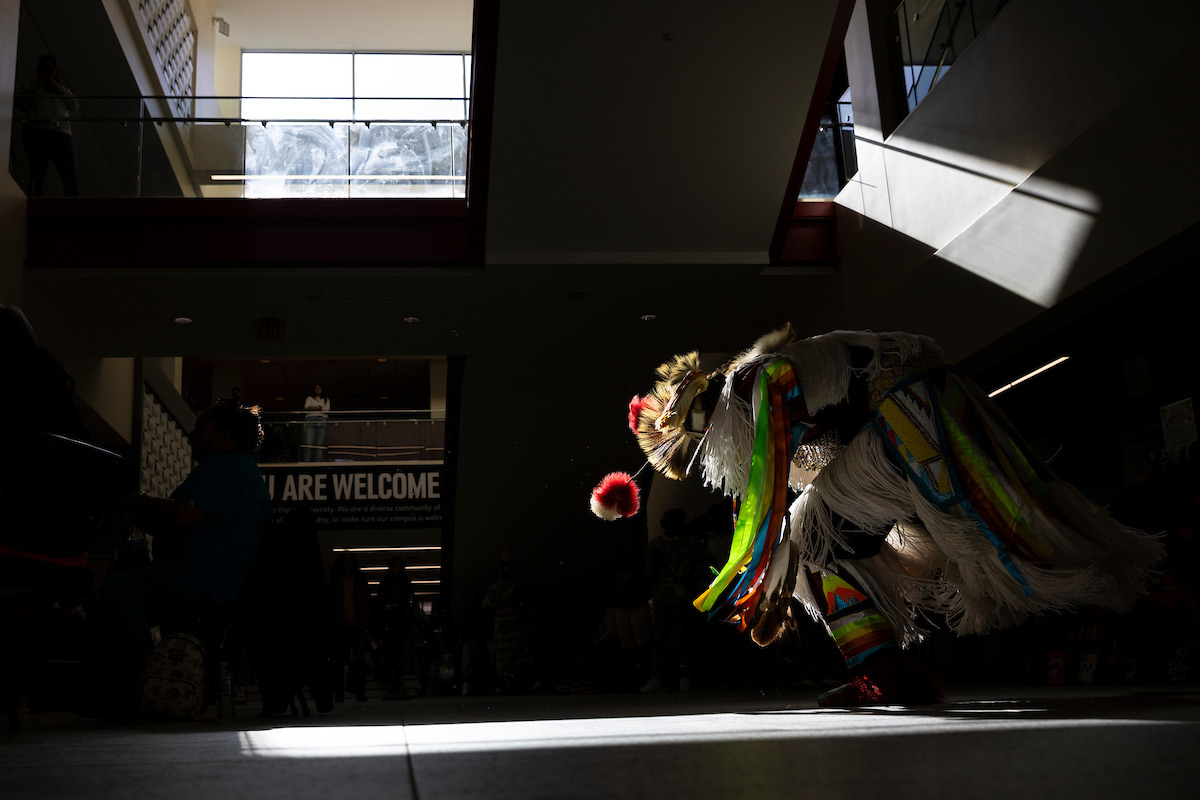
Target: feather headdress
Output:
{"points": [[661, 419]]}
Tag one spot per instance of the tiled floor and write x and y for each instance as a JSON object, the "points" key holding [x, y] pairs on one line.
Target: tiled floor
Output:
{"points": [[984, 742]]}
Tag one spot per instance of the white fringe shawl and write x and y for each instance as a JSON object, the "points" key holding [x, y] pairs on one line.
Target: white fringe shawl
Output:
{"points": [[822, 365], [935, 562]]}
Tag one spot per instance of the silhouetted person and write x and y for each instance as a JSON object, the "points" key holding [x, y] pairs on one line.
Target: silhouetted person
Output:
{"points": [[674, 561], [351, 601], [400, 621], [629, 611], [512, 654], [37, 405], [289, 625], [47, 104], [205, 538], [39, 396]]}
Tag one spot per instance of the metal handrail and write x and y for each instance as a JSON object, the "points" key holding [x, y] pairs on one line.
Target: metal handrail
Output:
{"points": [[104, 111], [383, 413], [227, 120], [952, 16]]}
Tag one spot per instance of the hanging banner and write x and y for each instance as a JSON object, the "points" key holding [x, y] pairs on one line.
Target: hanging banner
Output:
{"points": [[1179, 425], [359, 495]]}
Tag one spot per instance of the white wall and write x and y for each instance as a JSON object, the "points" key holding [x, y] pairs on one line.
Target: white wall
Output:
{"points": [[431, 26], [1057, 149], [665, 132], [173, 368], [107, 385]]}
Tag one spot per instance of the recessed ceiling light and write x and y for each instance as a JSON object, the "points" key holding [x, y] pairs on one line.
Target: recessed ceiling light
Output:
{"points": [[183, 320], [411, 320], [264, 361], [278, 399], [381, 360], [648, 317]]}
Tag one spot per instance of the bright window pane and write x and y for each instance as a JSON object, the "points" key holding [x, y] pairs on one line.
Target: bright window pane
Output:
{"points": [[373, 159], [421, 84], [291, 76]]}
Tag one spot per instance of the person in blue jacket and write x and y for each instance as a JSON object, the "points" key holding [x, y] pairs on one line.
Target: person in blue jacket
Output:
{"points": [[205, 538]]}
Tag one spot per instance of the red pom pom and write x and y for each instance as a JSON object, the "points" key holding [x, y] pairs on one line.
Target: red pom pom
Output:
{"points": [[616, 496]]}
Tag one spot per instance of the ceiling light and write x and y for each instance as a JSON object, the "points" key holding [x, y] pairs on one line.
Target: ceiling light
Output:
{"points": [[649, 317], [383, 549], [411, 320], [381, 360], [264, 361], [1024, 378], [183, 320]]}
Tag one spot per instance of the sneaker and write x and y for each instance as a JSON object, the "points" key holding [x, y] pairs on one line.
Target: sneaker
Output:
{"points": [[652, 687]]}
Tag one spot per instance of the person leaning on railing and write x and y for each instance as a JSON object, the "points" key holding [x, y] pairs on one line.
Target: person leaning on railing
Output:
{"points": [[47, 104], [317, 407]]}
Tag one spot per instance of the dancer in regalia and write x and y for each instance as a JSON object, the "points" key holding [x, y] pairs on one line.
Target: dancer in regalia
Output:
{"points": [[883, 490]]}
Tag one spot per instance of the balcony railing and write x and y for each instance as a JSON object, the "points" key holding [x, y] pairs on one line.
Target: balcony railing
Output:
{"points": [[407, 436], [932, 35], [121, 148]]}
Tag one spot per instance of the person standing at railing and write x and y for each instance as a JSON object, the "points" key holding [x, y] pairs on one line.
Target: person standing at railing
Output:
{"points": [[315, 420], [47, 104]]}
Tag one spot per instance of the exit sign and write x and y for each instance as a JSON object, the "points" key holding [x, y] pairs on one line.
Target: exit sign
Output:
{"points": [[269, 329]]}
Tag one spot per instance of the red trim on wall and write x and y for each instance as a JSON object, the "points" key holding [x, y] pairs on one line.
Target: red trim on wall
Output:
{"points": [[232, 232]]}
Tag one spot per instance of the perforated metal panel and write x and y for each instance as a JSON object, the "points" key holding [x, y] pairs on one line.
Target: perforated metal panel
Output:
{"points": [[170, 32]]}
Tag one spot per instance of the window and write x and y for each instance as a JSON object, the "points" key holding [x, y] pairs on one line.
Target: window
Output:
{"points": [[355, 124]]}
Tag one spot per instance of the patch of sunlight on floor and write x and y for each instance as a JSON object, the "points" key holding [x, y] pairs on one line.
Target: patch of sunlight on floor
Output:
{"points": [[395, 740]]}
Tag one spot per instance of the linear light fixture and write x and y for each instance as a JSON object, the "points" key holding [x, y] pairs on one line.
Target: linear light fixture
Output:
{"points": [[1024, 378], [385, 549]]}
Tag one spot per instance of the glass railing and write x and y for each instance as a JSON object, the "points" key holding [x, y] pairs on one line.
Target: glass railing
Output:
{"points": [[122, 148], [933, 34], [834, 158], [407, 436]]}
